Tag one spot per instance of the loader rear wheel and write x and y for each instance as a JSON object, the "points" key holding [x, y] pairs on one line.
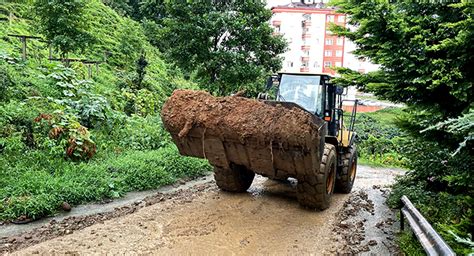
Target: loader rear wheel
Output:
{"points": [[316, 188], [346, 174], [237, 178]]}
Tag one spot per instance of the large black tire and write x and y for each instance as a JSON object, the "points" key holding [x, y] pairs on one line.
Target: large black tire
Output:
{"points": [[347, 172], [314, 189], [235, 179]]}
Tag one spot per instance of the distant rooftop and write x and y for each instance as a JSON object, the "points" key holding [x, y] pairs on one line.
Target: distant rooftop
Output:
{"points": [[304, 5]]}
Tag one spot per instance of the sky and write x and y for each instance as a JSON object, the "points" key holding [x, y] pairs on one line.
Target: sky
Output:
{"points": [[271, 3]]}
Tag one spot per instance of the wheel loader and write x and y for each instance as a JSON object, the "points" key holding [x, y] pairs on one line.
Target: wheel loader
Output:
{"points": [[301, 134]]}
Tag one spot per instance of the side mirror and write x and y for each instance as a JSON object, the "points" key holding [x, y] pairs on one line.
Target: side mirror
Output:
{"points": [[339, 90], [270, 81]]}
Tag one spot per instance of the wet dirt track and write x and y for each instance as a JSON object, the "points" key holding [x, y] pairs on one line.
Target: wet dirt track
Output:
{"points": [[267, 220]]}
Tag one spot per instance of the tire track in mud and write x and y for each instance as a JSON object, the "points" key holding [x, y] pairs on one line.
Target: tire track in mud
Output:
{"points": [[203, 220]]}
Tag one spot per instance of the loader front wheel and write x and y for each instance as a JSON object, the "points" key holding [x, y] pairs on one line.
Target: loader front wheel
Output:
{"points": [[314, 189], [347, 172], [237, 178]]}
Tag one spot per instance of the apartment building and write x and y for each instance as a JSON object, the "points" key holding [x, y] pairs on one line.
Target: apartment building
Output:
{"points": [[313, 48]]}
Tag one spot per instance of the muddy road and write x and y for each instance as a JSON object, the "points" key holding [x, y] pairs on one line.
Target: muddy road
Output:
{"points": [[200, 219]]}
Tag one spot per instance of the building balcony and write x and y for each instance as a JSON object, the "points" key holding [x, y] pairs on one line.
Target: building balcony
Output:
{"points": [[304, 59], [276, 23], [306, 35], [305, 47], [306, 23], [304, 69]]}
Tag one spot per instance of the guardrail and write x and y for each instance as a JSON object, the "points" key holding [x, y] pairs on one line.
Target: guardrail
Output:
{"points": [[429, 239]]}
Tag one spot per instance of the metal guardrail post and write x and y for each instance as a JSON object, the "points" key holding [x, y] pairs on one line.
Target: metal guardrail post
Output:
{"points": [[402, 220], [429, 239]]}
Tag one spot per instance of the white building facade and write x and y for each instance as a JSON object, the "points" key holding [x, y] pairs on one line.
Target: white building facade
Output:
{"points": [[312, 47]]}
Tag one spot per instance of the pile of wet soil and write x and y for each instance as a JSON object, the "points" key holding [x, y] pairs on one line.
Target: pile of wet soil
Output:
{"points": [[238, 118]]}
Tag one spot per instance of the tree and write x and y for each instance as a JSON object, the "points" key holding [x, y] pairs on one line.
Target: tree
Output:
{"points": [[129, 8], [424, 48], [153, 9], [362, 81], [227, 45], [64, 24], [122, 7], [141, 64]]}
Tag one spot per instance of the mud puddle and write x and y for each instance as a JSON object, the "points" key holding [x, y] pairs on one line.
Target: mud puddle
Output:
{"points": [[203, 220]]}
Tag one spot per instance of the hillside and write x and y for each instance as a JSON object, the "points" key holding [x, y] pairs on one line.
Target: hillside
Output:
{"points": [[67, 138]]}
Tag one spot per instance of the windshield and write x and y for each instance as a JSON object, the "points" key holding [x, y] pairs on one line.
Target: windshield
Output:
{"points": [[303, 90]]}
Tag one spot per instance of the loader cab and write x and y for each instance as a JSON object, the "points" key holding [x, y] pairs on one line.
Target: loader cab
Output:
{"points": [[305, 90], [312, 92]]}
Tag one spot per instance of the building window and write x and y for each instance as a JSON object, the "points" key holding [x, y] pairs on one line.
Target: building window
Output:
{"points": [[338, 53], [316, 41], [328, 53], [306, 53], [328, 41], [289, 64], [340, 18], [316, 64], [277, 28], [338, 64], [306, 16], [340, 41], [305, 29], [329, 32], [327, 64], [304, 64], [330, 18]]}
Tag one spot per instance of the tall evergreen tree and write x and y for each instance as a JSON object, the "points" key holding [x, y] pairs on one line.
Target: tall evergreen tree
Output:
{"points": [[425, 50]]}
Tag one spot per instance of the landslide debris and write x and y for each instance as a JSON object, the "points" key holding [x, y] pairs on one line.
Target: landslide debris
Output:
{"points": [[365, 226], [68, 225], [238, 118]]}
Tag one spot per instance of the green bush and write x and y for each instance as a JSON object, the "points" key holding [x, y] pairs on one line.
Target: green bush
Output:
{"points": [[409, 244], [35, 185], [379, 140], [140, 133], [138, 170], [5, 83], [437, 178]]}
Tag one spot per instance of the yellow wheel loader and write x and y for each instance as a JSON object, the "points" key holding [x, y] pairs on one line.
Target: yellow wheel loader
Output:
{"points": [[301, 133]]}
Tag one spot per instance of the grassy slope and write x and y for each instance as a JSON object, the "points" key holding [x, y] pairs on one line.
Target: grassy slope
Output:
{"points": [[134, 154], [379, 139]]}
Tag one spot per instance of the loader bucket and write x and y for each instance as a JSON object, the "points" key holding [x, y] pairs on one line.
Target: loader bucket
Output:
{"points": [[274, 139]]}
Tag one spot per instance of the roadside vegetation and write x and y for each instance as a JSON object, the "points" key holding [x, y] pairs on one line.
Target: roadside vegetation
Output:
{"points": [[380, 141], [75, 131], [66, 136], [425, 53]]}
